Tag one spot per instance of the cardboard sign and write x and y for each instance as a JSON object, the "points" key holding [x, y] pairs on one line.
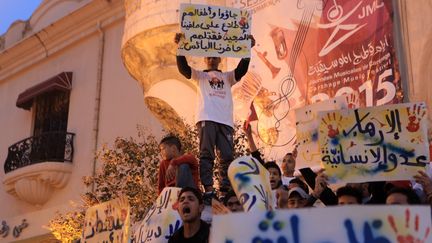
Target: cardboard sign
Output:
{"points": [[374, 144], [107, 222], [345, 224], [251, 183], [214, 31]]}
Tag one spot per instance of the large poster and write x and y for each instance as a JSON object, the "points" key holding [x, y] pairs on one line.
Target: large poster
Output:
{"points": [[214, 31], [346, 224], [380, 143], [312, 50]]}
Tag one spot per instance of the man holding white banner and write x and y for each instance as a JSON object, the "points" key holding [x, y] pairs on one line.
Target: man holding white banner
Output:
{"points": [[214, 111]]}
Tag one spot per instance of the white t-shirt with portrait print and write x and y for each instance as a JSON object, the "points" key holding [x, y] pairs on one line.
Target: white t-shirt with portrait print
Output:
{"points": [[214, 98]]}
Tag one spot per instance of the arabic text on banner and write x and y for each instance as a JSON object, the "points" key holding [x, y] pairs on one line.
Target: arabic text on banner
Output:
{"points": [[347, 224], [214, 31], [380, 143], [107, 222], [307, 124], [162, 219]]}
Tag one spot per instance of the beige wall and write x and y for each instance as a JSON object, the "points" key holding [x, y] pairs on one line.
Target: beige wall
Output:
{"points": [[416, 32], [122, 106]]}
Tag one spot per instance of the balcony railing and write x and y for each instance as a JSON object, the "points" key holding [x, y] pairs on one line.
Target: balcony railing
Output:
{"points": [[47, 147]]}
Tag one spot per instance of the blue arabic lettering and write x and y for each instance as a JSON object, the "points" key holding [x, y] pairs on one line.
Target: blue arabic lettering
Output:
{"points": [[368, 235]]}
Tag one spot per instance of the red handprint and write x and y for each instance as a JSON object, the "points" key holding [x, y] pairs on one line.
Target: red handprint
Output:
{"points": [[414, 116], [332, 133], [331, 120], [409, 237], [353, 100], [242, 21], [244, 18]]}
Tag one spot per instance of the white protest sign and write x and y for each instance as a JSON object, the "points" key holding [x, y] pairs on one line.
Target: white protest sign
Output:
{"points": [[162, 220], [344, 224], [251, 183], [107, 222], [214, 31]]}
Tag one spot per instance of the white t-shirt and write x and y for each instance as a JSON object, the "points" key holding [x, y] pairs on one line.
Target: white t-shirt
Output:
{"points": [[214, 99]]}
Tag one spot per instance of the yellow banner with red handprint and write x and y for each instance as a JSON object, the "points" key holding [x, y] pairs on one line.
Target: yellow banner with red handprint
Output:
{"points": [[307, 124], [374, 144]]}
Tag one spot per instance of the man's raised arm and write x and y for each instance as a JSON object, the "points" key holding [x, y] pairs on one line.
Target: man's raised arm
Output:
{"points": [[182, 63], [243, 65]]}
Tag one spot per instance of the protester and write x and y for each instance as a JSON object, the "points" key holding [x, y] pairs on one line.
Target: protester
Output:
{"points": [[364, 189], [319, 183], [297, 198], [176, 169], [275, 175], [348, 195], [281, 197], [401, 195], [271, 166], [377, 191], [232, 203], [295, 152], [275, 180], [426, 183], [214, 112], [190, 207], [251, 142], [288, 167], [297, 182]]}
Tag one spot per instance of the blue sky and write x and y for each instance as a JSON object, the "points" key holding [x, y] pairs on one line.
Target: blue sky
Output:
{"points": [[11, 10]]}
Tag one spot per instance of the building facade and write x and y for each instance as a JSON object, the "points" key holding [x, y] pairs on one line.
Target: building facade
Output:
{"points": [[64, 93], [67, 86]]}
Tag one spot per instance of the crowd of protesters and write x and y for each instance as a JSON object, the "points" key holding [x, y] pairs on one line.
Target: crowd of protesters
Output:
{"points": [[292, 189], [291, 192]]}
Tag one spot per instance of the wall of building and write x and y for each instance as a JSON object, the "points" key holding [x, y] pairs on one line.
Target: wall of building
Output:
{"points": [[121, 107], [122, 102], [416, 33]]}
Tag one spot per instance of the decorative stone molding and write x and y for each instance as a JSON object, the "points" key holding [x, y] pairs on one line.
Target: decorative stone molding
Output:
{"points": [[36, 183], [165, 114], [148, 52]]}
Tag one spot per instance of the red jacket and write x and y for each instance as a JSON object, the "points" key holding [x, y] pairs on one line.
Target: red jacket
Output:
{"points": [[183, 159]]}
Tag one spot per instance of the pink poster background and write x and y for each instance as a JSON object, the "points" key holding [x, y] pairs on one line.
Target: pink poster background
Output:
{"points": [[313, 50]]}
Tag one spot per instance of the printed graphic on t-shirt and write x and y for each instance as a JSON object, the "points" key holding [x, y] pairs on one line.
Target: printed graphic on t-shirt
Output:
{"points": [[217, 85]]}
